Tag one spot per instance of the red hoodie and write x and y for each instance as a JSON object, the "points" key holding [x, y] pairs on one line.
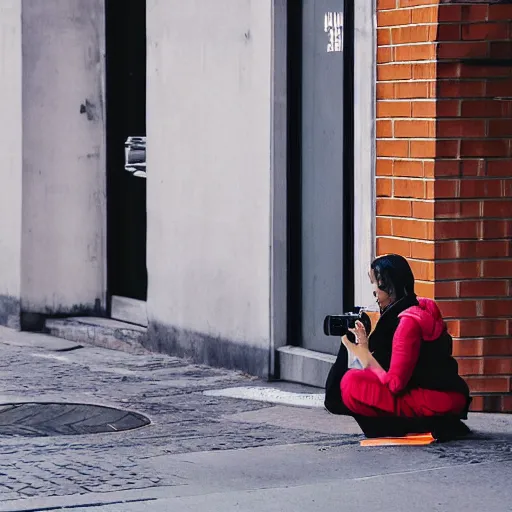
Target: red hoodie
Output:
{"points": [[422, 323]]}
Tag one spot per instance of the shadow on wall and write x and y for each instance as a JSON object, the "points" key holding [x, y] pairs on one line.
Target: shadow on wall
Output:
{"points": [[472, 167]]}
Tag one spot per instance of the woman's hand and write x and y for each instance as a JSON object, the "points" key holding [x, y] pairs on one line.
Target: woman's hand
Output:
{"points": [[359, 349], [360, 333]]}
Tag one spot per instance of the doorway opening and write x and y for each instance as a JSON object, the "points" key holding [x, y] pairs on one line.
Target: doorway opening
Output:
{"points": [[125, 25], [320, 168]]}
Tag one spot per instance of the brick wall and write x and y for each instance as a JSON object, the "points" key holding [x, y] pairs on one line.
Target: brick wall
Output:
{"points": [[444, 172]]}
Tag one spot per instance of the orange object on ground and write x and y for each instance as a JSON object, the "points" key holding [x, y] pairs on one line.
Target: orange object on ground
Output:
{"points": [[409, 440]]}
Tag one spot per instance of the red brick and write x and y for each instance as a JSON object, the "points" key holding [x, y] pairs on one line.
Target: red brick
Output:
{"points": [[500, 128], [500, 12], [500, 49], [480, 188], [485, 249], [393, 109], [384, 128], [448, 148], [412, 34], [482, 347], [416, 3], [394, 18], [422, 250], [423, 149], [474, 12], [457, 270], [393, 148], [429, 171], [385, 4], [484, 31], [407, 90], [449, 32], [497, 308], [483, 288], [393, 245], [450, 13], [446, 188], [489, 384], [385, 90], [409, 228], [499, 88], [490, 229], [394, 207], [424, 109], [446, 289], [422, 270], [410, 168], [457, 308], [497, 268], [461, 89], [447, 108], [384, 167], [459, 50], [384, 187], [383, 226], [422, 210], [447, 250], [383, 36], [425, 15], [457, 209], [409, 188], [484, 148], [498, 208], [424, 71], [447, 168], [472, 328], [424, 289], [499, 167], [415, 52], [384, 54], [414, 128], [460, 128], [486, 108], [475, 167], [455, 229], [386, 72]]}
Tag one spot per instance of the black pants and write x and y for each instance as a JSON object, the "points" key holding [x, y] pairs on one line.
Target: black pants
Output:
{"points": [[442, 428]]}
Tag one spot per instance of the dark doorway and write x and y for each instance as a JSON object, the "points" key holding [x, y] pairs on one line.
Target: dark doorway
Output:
{"points": [[320, 167], [126, 116]]}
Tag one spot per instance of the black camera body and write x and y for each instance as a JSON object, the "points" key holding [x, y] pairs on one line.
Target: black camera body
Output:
{"points": [[339, 325]]}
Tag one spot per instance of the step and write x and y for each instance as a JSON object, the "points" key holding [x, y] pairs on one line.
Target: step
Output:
{"points": [[297, 364], [100, 332], [129, 310]]}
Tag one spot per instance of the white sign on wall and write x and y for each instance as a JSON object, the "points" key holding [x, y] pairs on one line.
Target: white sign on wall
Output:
{"points": [[333, 27]]}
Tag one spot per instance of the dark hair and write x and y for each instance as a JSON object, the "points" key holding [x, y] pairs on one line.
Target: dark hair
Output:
{"points": [[393, 275]]}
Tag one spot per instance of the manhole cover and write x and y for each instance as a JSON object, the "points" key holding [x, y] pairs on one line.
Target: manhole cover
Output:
{"points": [[61, 419]]}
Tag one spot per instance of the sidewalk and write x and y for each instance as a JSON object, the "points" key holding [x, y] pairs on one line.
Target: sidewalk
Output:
{"points": [[204, 451]]}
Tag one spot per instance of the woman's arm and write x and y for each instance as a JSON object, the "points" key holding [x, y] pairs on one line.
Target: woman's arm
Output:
{"points": [[404, 356]]}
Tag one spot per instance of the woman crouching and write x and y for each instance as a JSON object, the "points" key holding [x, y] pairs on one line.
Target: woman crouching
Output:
{"points": [[409, 382]]}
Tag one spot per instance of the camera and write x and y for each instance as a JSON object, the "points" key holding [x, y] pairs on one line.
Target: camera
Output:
{"points": [[339, 325]]}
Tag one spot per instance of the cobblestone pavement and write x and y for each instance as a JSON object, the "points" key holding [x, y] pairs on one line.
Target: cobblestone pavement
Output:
{"points": [[166, 389]]}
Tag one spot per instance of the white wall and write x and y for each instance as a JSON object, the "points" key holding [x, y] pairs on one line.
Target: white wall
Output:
{"points": [[365, 75], [63, 246], [209, 145], [11, 156]]}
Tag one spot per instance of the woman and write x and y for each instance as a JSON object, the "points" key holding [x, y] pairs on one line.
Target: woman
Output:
{"points": [[409, 382]]}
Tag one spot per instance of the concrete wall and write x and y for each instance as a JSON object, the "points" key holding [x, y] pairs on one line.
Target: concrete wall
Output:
{"points": [[365, 76], [209, 157], [63, 246], [11, 160]]}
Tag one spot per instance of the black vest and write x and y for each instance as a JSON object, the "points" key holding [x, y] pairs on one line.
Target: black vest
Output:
{"points": [[436, 369]]}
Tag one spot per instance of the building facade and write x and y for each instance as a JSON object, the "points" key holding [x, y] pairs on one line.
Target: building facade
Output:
{"points": [[287, 143]]}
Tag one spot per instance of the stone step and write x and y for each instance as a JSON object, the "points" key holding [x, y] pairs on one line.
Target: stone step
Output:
{"points": [[100, 332]]}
